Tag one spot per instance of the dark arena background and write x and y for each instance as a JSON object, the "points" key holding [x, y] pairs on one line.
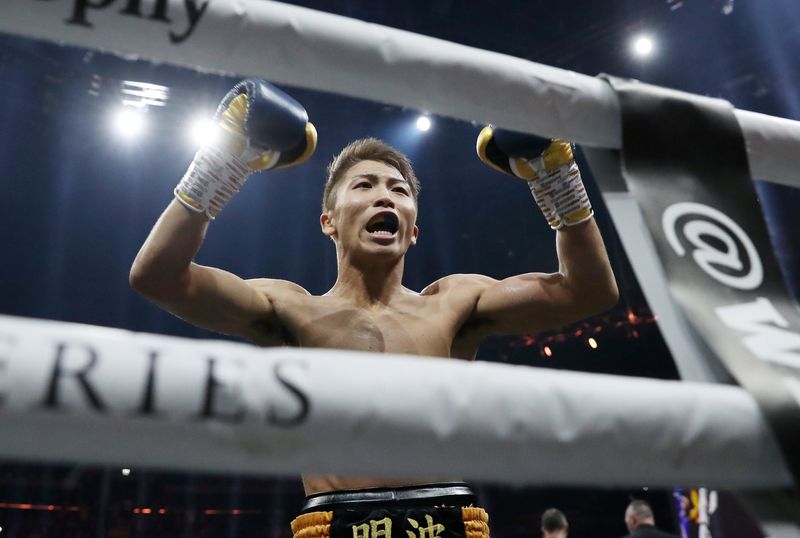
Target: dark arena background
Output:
{"points": [[80, 193]]}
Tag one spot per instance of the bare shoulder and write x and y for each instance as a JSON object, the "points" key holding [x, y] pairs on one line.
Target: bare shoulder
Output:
{"points": [[459, 283], [273, 327], [461, 294], [276, 288]]}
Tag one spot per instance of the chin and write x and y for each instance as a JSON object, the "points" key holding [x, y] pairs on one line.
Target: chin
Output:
{"points": [[393, 250]]}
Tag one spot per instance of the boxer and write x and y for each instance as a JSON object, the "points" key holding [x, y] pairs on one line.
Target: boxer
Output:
{"points": [[369, 211]]}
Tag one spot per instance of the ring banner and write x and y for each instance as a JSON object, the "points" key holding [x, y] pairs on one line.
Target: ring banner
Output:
{"points": [[684, 161]]}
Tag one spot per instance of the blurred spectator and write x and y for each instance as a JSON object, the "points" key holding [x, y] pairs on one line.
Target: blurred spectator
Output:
{"points": [[554, 524], [641, 523]]}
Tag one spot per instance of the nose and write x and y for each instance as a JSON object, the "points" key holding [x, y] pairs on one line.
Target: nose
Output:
{"points": [[383, 199]]}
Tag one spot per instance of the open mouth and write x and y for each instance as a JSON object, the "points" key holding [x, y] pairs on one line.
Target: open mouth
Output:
{"points": [[383, 225]]}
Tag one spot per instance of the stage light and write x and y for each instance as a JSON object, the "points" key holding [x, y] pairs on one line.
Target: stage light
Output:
{"points": [[592, 343], [547, 351], [423, 123], [727, 7], [643, 46], [126, 472], [129, 122], [202, 131], [143, 93]]}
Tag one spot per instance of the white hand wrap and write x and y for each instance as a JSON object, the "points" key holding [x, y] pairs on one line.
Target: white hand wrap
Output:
{"points": [[560, 193], [214, 176]]}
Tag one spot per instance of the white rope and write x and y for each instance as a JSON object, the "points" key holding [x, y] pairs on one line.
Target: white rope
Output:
{"points": [[76, 393], [298, 46]]}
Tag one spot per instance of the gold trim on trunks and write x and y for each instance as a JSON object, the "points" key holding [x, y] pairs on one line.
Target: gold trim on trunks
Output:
{"points": [[312, 525]]}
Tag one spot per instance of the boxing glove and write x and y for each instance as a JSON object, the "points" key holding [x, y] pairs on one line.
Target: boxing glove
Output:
{"points": [[548, 166], [257, 127]]}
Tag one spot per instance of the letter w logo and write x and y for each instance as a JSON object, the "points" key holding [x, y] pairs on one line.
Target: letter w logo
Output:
{"points": [[768, 340]]}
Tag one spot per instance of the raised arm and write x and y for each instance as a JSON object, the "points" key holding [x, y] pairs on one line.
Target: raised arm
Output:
{"points": [[258, 128], [584, 284]]}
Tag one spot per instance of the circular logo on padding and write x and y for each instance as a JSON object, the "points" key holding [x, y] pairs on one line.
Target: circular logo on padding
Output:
{"points": [[719, 246]]}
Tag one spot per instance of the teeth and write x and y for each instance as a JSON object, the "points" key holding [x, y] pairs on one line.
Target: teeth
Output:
{"points": [[382, 232]]}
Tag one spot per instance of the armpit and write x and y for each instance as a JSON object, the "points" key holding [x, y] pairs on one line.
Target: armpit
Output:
{"points": [[272, 333]]}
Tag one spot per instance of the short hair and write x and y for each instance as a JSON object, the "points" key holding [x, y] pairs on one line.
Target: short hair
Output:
{"points": [[640, 508], [367, 149], [553, 520]]}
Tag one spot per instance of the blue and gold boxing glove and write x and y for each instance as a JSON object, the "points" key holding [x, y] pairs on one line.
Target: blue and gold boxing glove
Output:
{"points": [[258, 127], [548, 166]]}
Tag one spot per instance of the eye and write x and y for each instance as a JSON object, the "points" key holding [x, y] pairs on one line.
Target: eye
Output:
{"points": [[363, 185], [401, 190]]}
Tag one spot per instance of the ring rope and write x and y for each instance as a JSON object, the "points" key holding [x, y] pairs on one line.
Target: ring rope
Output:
{"points": [[95, 395], [312, 49]]}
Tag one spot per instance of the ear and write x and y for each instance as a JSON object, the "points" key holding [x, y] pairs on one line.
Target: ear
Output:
{"points": [[328, 225], [414, 234]]}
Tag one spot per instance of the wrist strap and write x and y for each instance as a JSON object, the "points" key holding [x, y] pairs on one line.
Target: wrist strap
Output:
{"points": [[560, 194], [214, 176]]}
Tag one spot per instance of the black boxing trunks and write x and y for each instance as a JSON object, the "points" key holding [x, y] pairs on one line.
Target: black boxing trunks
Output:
{"points": [[425, 511]]}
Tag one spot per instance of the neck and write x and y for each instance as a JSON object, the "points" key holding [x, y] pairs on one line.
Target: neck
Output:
{"points": [[368, 283]]}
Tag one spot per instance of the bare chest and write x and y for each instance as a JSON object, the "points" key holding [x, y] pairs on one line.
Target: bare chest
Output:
{"points": [[419, 327]]}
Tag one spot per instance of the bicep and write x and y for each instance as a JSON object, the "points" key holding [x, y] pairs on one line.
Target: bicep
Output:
{"points": [[527, 303], [219, 301]]}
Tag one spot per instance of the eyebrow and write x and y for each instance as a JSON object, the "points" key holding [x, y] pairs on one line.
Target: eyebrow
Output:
{"points": [[374, 178]]}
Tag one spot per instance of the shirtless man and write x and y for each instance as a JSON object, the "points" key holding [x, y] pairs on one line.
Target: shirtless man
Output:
{"points": [[370, 211]]}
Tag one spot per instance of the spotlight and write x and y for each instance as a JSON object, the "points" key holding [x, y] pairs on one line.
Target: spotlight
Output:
{"points": [[126, 472], [129, 122], [727, 7], [202, 131], [142, 94], [642, 46], [423, 123], [592, 342], [547, 351]]}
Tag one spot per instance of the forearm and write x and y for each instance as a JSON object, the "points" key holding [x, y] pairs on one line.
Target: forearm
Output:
{"points": [[583, 262], [257, 127], [164, 262], [585, 284]]}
